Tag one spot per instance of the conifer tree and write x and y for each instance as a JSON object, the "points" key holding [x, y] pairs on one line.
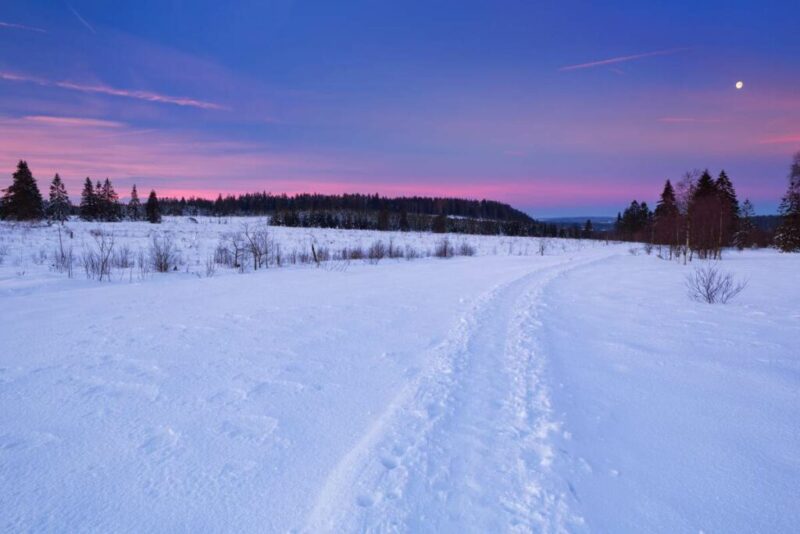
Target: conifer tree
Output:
{"points": [[667, 218], [134, 206], [109, 200], [22, 200], [728, 210], [745, 236], [88, 206], [59, 206], [152, 209], [787, 238], [704, 216]]}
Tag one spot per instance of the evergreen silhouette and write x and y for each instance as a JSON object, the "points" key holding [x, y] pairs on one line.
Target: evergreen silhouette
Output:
{"points": [[59, 206], [89, 206], [22, 200], [787, 238], [152, 209], [134, 206]]}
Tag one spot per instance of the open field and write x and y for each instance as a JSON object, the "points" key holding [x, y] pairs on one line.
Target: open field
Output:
{"points": [[576, 390]]}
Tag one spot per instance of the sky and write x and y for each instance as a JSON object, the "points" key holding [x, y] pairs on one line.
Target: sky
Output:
{"points": [[558, 108]]}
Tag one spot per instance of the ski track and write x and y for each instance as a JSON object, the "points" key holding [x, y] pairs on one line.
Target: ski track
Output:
{"points": [[466, 446]]}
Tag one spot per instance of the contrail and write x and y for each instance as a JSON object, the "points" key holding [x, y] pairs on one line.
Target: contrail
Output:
{"points": [[623, 59], [83, 20], [21, 27]]}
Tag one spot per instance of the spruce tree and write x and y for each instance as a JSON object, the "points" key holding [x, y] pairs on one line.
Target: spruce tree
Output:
{"points": [[22, 200], [745, 236], [59, 206], [110, 201], [134, 206], [152, 209], [787, 238], [704, 216], [728, 209], [666, 218], [88, 207]]}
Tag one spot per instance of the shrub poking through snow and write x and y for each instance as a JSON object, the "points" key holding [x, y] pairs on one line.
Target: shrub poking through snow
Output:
{"points": [[710, 284], [443, 249], [162, 254]]}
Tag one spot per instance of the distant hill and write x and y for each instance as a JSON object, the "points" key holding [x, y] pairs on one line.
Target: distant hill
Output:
{"points": [[599, 223]]}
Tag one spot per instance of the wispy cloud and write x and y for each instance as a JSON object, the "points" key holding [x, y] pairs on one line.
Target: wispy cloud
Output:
{"points": [[12, 26], [73, 121], [81, 19], [680, 120], [780, 140], [622, 59], [113, 91]]}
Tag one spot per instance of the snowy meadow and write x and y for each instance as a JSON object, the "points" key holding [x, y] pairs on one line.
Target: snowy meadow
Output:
{"points": [[225, 375]]}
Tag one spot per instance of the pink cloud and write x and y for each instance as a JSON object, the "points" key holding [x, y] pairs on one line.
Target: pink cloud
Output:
{"points": [[112, 91], [73, 121], [783, 139], [622, 59]]}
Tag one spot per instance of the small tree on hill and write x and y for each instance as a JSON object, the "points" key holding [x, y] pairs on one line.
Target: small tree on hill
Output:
{"points": [[88, 207], [152, 209], [59, 206], [134, 206], [22, 200], [787, 239]]}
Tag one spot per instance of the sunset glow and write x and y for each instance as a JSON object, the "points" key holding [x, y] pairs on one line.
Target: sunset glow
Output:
{"points": [[519, 104]]}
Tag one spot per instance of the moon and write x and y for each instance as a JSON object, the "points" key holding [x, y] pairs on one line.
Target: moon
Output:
{"points": [[739, 84]]}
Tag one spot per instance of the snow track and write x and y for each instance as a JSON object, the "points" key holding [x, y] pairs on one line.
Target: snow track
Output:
{"points": [[466, 446]]}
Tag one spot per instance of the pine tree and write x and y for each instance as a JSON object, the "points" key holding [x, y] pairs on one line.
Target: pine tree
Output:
{"points": [[787, 238], [704, 216], [728, 210], [109, 201], [88, 207], [22, 200], [59, 206], [152, 209], [666, 219], [134, 206]]}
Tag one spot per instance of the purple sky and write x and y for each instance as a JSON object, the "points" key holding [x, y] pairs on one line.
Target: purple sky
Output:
{"points": [[566, 108]]}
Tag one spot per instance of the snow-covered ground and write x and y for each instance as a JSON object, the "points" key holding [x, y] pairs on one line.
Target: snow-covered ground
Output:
{"points": [[581, 390]]}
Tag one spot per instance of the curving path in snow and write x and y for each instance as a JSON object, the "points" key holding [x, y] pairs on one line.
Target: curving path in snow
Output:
{"points": [[467, 446]]}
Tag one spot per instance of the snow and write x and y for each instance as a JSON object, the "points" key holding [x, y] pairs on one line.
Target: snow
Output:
{"points": [[577, 391]]}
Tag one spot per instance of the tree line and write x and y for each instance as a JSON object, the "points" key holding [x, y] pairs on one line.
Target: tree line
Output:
{"points": [[701, 216], [22, 201]]}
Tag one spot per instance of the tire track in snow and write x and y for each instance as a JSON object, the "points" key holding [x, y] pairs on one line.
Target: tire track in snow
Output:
{"points": [[466, 446]]}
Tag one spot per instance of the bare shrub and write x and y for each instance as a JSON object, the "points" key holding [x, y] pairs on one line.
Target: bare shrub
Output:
{"points": [[376, 252], [162, 254], [211, 266], [258, 244], [411, 253], [393, 251], [122, 258], [648, 248], [3, 253], [443, 249], [465, 249], [237, 247], [63, 258], [633, 251], [542, 246], [710, 284], [96, 260], [39, 257]]}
